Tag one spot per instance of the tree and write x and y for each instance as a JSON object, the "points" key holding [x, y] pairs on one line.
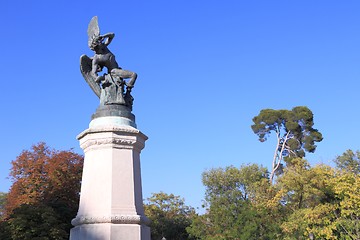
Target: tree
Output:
{"points": [[169, 216], [349, 161], [347, 214], [234, 205], [2, 204], [37, 221], [4, 232], [319, 200], [294, 132], [44, 180]]}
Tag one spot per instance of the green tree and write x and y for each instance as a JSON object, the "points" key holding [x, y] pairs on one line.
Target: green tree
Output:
{"points": [[294, 132], [46, 186], [4, 232], [37, 221], [301, 186], [169, 216], [235, 207], [349, 161], [2, 204], [304, 192]]}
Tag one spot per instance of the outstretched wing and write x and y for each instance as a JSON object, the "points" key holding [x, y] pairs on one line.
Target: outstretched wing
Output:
{"points": [[85, 68], [93, 30]]}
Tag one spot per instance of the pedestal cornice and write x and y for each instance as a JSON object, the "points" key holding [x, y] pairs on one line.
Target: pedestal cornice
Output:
{"points": [[112, 136], [121, 130]]}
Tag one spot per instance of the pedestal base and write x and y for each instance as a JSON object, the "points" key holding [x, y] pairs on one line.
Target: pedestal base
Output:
{"points": [[107, 231], [111, 205]]}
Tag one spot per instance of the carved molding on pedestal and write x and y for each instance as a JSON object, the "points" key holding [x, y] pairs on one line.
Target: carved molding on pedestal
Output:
{"points": [[116, 219], [121, 138], [125, 130], [119, 143]]}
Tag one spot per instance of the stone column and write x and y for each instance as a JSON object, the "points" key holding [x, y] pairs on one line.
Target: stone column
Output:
{"points": [[111, 203]]}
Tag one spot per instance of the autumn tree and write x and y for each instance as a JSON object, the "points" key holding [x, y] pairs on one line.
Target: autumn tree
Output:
{"points": [[169, 216], [320, 201], [347, 214], [294, 133], [48, 180]]}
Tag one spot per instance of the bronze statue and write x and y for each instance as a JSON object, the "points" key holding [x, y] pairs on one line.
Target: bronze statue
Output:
{"points": [[110, 87]]}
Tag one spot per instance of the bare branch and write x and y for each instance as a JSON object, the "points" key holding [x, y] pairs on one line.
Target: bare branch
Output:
{"points": [[278, 155], [275, 162]]}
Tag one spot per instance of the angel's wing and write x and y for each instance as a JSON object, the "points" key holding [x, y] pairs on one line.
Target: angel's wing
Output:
{"points": [[93, 29], [85, 68]]}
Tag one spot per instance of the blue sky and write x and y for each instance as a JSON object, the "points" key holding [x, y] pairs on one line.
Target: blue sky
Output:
{"points": [[205, 68]]}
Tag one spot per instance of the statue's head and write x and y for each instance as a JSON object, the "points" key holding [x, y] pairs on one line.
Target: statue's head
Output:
{"points": [[95, 41]]}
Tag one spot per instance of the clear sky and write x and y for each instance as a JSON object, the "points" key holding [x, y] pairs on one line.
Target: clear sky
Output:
{"points": [[205, 68]]}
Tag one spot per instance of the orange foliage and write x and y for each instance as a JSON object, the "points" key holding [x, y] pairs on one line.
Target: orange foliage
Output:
{"points": [[43, 175]]}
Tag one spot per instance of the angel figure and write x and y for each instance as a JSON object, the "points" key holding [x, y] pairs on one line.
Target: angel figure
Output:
{"points": [[109, 87]]}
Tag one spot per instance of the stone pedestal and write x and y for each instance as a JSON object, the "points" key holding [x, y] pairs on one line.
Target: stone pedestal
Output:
{"points": [[111, 203]]}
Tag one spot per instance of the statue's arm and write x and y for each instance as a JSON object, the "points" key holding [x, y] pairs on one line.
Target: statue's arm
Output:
{"points": [[108, 38]]}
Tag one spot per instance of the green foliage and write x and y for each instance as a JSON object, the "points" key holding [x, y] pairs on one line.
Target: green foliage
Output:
{"points": [[2, 204], [320, 201], [169, 216], [4, 230], [298, 184], [349, 161], [298, 122], [37, 221], [347, 191], [294, 131], [234, 210]]}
